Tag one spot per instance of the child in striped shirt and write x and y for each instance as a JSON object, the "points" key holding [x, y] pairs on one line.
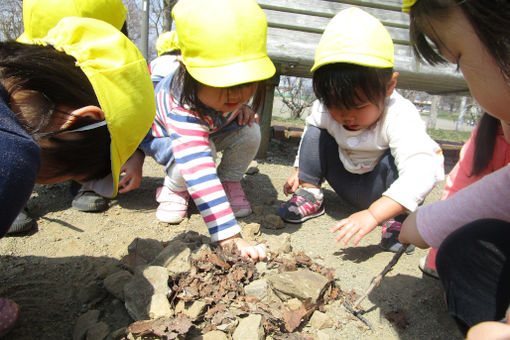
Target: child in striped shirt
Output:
{"points": [[201, 109]]}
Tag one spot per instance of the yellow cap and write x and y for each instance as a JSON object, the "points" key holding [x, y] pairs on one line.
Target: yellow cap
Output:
{"points": [[356, 37], [223, 42], [120, 78], [407, 4], [167, 42], [39, 16]]}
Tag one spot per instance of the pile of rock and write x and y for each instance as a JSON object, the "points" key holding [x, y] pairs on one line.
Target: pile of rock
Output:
{"points": [[189, 288]]}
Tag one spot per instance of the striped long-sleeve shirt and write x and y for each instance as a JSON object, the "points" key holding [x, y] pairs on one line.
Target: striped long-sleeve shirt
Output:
{"points": [[180, 135]]}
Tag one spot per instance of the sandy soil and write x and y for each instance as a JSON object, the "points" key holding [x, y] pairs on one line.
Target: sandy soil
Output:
{"points": [[55, 273]]}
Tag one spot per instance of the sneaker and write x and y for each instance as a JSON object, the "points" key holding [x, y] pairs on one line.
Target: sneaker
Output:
{"points": [[238, 202], [173, 205], [427, 270], [23, 223], [301, 207], [389, 239], [88, 201]]}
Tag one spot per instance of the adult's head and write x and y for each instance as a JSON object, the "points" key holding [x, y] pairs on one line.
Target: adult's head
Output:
{"points": [[472, 34], [62, 86]]}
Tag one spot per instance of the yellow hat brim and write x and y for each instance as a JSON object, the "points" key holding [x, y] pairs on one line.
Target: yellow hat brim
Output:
{"points": [[238, 73], [354, 58]]}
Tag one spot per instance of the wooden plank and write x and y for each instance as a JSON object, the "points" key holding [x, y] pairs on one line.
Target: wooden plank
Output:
{"points": [[328, 9], [317, 24]]}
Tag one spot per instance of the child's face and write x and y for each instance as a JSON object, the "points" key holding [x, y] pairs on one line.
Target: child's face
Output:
{"points": [[226, 99], [459, 44], [360, 117]]}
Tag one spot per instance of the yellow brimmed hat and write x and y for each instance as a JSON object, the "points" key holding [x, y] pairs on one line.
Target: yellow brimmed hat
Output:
{"points": [[356, 37], [120, 78], [406, 6], [39, 16], [167, 42], [223, 42]]}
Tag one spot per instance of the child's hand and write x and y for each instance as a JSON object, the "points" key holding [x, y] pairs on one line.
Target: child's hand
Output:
{"points": [[132, 171], [256, 253], [292, 183], [247, 115], [359, 224]]}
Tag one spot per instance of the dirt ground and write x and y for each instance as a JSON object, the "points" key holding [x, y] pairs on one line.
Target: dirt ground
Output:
{"points": [[55, 273]]}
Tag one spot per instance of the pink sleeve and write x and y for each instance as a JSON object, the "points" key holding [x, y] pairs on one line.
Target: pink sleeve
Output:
{"points": [[487, 198]]}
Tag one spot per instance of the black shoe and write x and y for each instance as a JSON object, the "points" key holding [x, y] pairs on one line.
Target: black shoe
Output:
{"points": [[89, 201], [23, 223]]}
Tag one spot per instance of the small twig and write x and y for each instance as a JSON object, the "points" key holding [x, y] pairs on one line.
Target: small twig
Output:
{"points": [[358, 315], [377, 279], [355, 310]]}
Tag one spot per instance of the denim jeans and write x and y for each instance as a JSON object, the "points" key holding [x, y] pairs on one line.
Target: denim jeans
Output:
{"points": [[319, 161], [473, 266]]}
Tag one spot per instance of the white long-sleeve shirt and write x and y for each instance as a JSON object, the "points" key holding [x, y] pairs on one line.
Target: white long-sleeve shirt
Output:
{"points": [[418, 158]]}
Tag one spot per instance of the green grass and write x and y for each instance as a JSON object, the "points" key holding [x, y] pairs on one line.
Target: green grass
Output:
{"points": [[457, 136]]}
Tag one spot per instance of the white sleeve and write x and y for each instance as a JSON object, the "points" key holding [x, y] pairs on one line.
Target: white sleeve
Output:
{"points": [[418, 158]]}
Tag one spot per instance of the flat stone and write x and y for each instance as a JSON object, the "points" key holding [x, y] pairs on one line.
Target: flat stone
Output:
{"points": [[114, 283], [302, 284], [249, 328]]}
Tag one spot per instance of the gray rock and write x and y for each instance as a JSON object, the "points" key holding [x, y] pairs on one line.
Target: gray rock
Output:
{"points": [[148, 249], [115, 283], [84, 322], [272, 221], [249, 328], [321, 320], [191, 309], [302, 284], [90, 293], [146, 294], [98, 332], [175, 257], [258, 288]]}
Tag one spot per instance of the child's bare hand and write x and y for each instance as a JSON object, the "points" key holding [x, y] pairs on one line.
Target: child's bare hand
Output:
{"points": [[247, 116], [357, 225], [256, 253], [132, 172], [292, 183]]}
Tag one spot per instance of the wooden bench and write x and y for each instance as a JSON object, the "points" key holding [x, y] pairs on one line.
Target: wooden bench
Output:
{"points": [[294, 31]]}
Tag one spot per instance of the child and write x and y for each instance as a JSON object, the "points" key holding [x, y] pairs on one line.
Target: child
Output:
{"points": [[166, 63], [39, 16], [58, 121], [486, 151], [470, 228], [365, 139], [200, 111]]}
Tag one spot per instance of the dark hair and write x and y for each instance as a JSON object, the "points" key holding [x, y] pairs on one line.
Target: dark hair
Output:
{"points": [[490, 20], [485, 141], [40, 79], [187, 88], [341, 84]]}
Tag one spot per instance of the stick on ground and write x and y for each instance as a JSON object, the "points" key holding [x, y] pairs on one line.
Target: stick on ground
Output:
{"points": [[355, 309]]}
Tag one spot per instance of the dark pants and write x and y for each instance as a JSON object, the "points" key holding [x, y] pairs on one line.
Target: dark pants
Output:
{"points": [[473, 266], [319, 160]]}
